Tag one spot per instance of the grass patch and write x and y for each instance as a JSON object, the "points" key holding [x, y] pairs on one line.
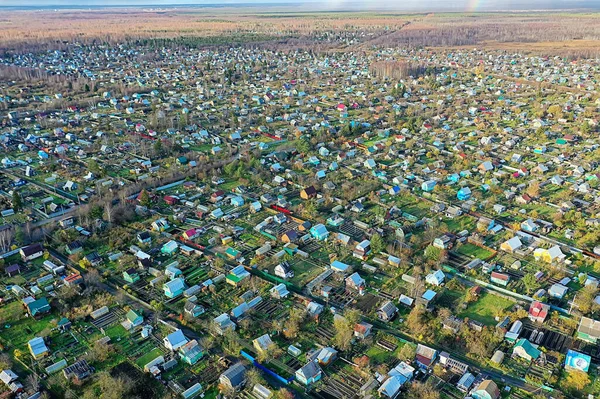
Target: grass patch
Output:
{"points": [[474, 251], [148, 357], [486, 308], [115, 332], [304, 272]]}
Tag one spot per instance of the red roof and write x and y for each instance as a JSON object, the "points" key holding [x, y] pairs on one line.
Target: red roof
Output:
{"points": [[500, 276], [190, 232], [423, 360], [538, 310]]}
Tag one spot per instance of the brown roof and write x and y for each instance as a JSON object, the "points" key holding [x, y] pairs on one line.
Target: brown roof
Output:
{"points": [[490, 387]]}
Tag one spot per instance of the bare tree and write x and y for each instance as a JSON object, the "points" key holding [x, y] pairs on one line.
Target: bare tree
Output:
{"points": [[33, 382], [108, 210]]}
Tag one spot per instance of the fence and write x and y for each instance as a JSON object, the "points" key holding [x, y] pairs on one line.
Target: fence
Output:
{"points": [[270, 372]]}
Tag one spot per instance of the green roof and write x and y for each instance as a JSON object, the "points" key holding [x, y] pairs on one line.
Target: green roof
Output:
{"points": [[132, 315], [233, 278], [39, 306], [531, 350], [232, 252]]}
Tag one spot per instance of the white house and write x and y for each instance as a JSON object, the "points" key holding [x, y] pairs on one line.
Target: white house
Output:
{"points": [[284, 270], [435, 278], [175, 340]]}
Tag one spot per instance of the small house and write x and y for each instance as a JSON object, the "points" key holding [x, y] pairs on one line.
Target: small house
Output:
{"points": [[308, 193], [191, 352], [435, 278], [319, 232], [309, 373], [38, 348], [193, 309], [284, 270], [356, 282], [425, 356], [362, 330], [588, 330], [31, 252], [234, 377], [557, 291], [511, 245], [133, 319], [175, 340], [487, 389], [538, 311], [38, 307], [387, 311], [524, 349], [174, 288], [131, 275], [280, 291], [144, 237], [500, 278], [262, 343]]}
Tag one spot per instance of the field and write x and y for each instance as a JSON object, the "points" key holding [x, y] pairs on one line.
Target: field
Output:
{"points": [[474, 251], [487, 308]]}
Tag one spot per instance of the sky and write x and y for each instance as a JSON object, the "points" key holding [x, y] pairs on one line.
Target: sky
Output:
{"points": [[400, 5]]}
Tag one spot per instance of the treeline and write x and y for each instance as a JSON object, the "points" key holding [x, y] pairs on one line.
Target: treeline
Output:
{"points": [[396, 70], [447, 31], [186, 42]]}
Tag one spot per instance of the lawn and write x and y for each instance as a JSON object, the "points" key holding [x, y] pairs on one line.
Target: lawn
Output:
{"points": [[21, 329], [229, 185], [474, 251], [304, 272], [378, 355], [148, 357], [459, 224], [486, 308], [116, 332]]}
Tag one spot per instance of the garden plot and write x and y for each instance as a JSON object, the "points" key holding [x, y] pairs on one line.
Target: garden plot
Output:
{"points": [[144, 291], [209, 374], [457, 261], [387, 295], [540, 372], [266, 308], [341, 297], [293, 363], [278, 229], [551, 340], [367, 302], [387, 345], [343, 385], [304, 271], [67, 344], [112, 317], [143, 358], [351, 230], [194, 275], [247, 395], [311, 247], [451, 392], [474, 251], [518, 395], [246, 248], [324, 334]]}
